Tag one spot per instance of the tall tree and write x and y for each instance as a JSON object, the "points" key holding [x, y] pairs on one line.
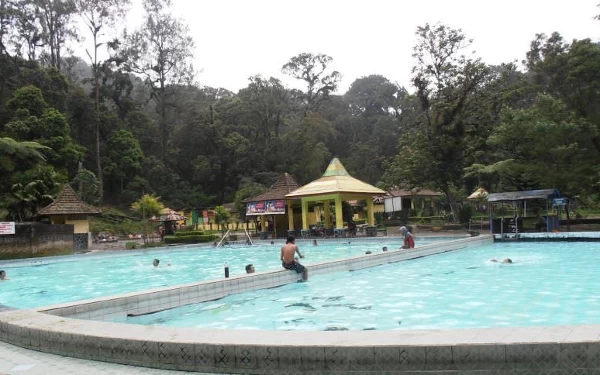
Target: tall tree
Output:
{"points": [[432, 154], [161, 51], [313, 69], [98, 15], [55, 17]]}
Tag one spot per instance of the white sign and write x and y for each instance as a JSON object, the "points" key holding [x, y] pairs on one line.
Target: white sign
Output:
{"points": [[7, 227]]}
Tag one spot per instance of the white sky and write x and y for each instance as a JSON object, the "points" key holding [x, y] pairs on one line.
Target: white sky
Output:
{"points": [[236, 39]]}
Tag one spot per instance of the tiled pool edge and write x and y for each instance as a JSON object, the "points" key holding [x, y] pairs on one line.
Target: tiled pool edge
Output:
{"points": [[505, 350]]}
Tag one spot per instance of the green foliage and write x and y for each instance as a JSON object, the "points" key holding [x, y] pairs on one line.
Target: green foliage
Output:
{"points": [[130, 245], [31, 190], [27, 101], [465, 212], [185, 233], [222, 216], [148, 206], [13, 153], [86, 184], [190, 239]]}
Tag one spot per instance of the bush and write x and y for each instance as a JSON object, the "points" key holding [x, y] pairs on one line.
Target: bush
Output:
{"points": [[152, 244], [190, 239], [189, 233], [131, 245]]}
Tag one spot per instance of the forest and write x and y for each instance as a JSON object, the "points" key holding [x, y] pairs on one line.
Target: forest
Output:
{"points": [[137, 122]]}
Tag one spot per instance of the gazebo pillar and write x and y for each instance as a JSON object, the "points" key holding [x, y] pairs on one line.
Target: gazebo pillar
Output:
{"points": [[304, 213], [290, 211], [327, 214], [370, 213], [339, 219], [263, 223]]}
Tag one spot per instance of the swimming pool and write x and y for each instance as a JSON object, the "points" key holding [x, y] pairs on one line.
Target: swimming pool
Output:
{"points": [[44, 281], [549, 284]]}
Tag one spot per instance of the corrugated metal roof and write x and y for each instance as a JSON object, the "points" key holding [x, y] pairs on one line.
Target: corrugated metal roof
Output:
{"points": [[520, 195], [335, 180], [68, 203]]}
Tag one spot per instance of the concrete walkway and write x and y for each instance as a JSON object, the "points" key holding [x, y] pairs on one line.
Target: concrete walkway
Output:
{"points": [[15, 360]]}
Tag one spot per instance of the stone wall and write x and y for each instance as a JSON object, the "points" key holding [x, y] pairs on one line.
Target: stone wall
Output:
{"points": [[36, 240]]}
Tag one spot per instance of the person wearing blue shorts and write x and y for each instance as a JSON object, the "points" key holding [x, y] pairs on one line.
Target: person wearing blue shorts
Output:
{"points": [[288, 251]]}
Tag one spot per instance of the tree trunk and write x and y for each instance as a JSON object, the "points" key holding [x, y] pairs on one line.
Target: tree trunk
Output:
{"points": [[97, 108], [451, 202]]}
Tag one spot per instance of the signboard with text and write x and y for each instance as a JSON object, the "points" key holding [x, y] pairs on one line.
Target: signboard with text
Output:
{"points": [[7, 227], [559, 201], [274, 207]]}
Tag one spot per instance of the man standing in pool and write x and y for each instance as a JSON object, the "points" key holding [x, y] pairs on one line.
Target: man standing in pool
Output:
{"points": [[287, 258]]}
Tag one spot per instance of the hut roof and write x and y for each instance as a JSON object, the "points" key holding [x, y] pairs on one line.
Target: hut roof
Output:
{"points": [[335, 180], [414, 193], [521, 195], [283, 186], [68, 203]]}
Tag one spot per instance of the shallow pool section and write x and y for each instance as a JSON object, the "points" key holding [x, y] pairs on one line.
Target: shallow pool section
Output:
{"points": [[548, 284], [45, 281]]}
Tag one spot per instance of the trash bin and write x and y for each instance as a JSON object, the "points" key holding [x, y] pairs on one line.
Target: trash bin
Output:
{"points": [[371, 231]]}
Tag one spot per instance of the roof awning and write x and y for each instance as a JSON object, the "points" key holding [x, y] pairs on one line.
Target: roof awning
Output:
{"points": [[521, 195]]}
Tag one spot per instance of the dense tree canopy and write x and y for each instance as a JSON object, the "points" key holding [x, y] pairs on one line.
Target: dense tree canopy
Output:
{"points": [[138, 125]]}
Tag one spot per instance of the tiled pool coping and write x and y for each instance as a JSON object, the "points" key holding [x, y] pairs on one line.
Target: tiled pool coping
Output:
{"points": [[500, 350]]}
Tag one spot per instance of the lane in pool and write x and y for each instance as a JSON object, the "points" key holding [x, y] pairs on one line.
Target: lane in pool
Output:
{"points": [[549, 284]]}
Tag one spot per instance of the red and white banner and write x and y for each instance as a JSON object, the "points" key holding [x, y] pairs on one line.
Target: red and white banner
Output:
{"points": [[7, 227]]}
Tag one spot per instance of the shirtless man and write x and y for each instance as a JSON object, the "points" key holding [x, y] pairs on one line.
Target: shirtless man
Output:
{"points": [[287, 258], [3, 275]]}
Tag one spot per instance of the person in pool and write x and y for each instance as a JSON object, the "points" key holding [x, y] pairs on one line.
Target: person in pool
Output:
{"points": [[505, 260], [409, 240], [287, 258], [250, 268], [3, 275]]}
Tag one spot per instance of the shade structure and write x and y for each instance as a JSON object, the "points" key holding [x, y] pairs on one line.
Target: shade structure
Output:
{"points": [[336, 185], [275, 196], [478, 194], [335, 180]]}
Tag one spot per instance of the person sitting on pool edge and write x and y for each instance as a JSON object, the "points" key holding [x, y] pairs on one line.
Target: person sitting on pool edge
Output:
{"points": [[3, 275], [287, 258], [409, 241], [249, 268]]}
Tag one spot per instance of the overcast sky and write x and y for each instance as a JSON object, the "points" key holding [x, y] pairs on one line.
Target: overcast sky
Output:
{"points": [[236, 39]]}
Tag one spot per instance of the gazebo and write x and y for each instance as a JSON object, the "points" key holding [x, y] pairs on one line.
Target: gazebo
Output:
{"points": [[68, 208], [274, 202], [336, 185]]}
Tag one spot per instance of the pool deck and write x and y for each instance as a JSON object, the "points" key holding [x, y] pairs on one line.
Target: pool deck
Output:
{"points": [[60, 330]]}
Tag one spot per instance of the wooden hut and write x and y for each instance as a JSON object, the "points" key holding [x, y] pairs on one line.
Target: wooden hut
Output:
{"points": [[68, 208]]}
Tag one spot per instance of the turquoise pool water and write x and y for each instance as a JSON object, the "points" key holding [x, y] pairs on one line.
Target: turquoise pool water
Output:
{"points": [[548, 284], [44, 281]]}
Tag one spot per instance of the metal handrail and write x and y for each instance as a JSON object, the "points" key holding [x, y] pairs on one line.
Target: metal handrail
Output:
{"points": [[223, 238], [248, 236]]}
